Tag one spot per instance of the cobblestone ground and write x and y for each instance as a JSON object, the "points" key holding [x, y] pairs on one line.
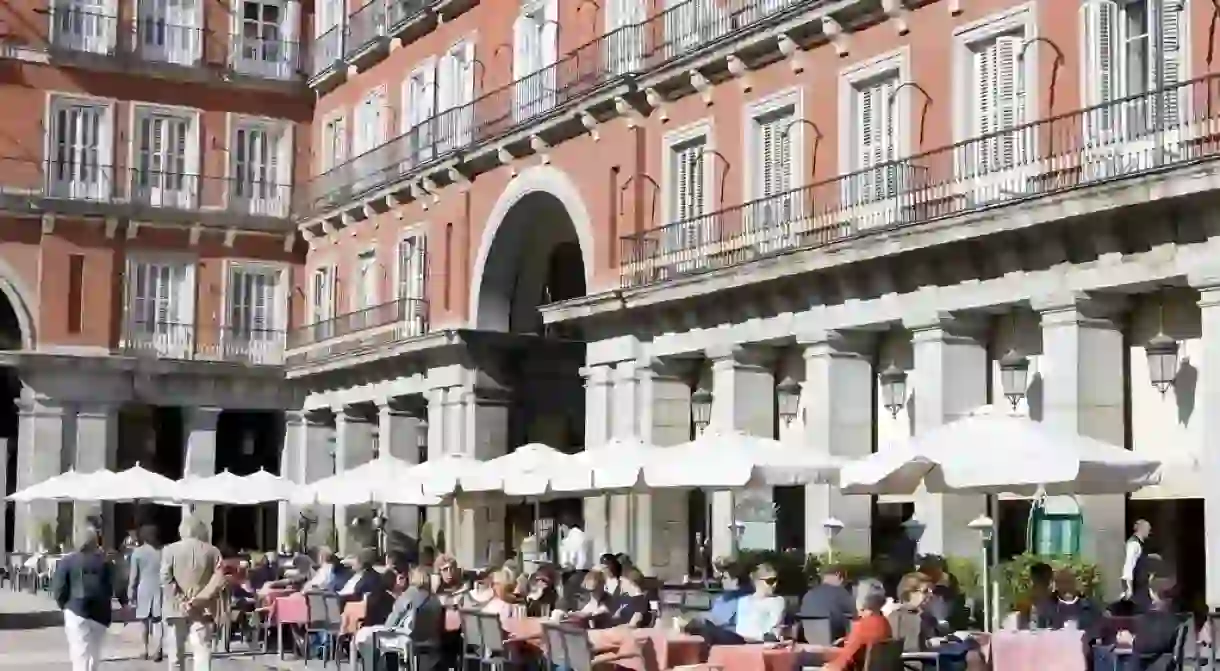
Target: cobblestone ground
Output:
{"points": [[46, 649]]}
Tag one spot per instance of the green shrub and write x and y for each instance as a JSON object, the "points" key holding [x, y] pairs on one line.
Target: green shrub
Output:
{"points": [[47, 537], [1013, 576]]}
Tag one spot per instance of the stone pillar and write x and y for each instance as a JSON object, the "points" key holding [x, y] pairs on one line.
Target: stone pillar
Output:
{"points": [[663, 417], [1084, 389], [40, 439], [96, 448], [599, 409], [435, 428], [6, 444], [200, 459], [948, 382], [1207, 408], [311, 436], [480, 418], [743, 387], [355, 432], [400, 431], [839, 415]]}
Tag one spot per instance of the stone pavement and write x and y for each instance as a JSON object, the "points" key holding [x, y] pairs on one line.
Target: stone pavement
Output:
{"points": [[45, 648]]}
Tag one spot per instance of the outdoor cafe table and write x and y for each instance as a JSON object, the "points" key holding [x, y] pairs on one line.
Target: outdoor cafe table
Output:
{"points": [[287, 610], [1037, 650], [758, 656], [657, 648]]}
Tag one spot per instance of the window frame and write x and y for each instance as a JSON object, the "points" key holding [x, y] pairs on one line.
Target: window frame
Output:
{"points": [[755, 113], [966, 37]]}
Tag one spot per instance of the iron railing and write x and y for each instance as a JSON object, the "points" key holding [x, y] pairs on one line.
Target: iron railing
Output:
{"points": [[665, 37], [77, 183], [326, 51], [265, 57], [365, 26], [193, 342], [410, 313], [1132, 136]]}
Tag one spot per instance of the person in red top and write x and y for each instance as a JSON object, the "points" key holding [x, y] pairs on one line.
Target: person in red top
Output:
{"points": [[870, 628]]}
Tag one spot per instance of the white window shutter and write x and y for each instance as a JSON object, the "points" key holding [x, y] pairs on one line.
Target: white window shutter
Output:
{"points": [[445, 83], [468, 72], [1010, 99], [521, 38], [698, 175], [421, 270], [290, 30], [767, 156], [1100, 22], [429, 92], [550, 34], [1172, 55]]}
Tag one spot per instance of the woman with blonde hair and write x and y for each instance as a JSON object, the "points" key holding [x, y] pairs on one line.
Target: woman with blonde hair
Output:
{"points": [[503, 584], [447, 582]]}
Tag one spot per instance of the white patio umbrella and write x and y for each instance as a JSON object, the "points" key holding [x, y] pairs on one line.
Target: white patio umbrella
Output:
{"points": [[440, 476], [58, 488], [383, 480], [264, 487], [526, 471], [730, 459], [616, 465], [223, 488], [133, 484], [995, 452]]}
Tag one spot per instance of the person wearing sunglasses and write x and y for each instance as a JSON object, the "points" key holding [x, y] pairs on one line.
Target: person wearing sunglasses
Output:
{"points": [[759, 615]]}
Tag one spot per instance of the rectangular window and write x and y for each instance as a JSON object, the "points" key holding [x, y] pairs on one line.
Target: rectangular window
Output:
{"points": [[79, 147], [1132, 48], [322, 294], [689, 24], [455, 92], [624, 34], [772, 173], [535, 50], [412, 274], [874, 136], [261, 166], [419, 105], [334, 143], [265, 38], [254, 314], [687, 170], [169, 31], [76, 292], [369, 132], [161, 307], [998, 103], [85, 25], [365, 289], [166, 158]]}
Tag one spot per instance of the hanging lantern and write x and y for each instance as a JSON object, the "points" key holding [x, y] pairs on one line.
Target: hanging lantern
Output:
{"points": [[788, 396], [701, 408], [1162, 353], [1014, 376], [893, 388]]}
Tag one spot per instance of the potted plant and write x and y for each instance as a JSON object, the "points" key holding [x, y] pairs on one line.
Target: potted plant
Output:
{"points": [[46, 537]]}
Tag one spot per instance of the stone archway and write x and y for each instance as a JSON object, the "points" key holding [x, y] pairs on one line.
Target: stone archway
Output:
{"points": [[537, 248], [16, 334]]}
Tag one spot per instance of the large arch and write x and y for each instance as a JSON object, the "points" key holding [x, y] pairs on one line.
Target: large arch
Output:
{"points": [[18, 310], [541, 209]]}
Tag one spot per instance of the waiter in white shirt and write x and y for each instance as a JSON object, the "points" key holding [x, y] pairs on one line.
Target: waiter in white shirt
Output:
{"points": [[1137, 568], [574, 552]]}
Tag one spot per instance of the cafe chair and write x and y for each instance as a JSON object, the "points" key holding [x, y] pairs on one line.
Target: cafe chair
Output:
{"points": [[580, 655], [816, 630], [554, 646], [325, 618], [884, 656]]}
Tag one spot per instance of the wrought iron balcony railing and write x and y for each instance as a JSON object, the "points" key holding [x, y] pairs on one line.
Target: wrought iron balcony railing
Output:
{"points": [[1129, 137], [191, 342], [77, 184], [327, 51], [154, 39], [405, 318], [665, 37]]}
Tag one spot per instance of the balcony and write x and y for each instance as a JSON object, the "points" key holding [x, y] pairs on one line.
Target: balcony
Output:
{"points": [[1134, 136], [387, 323], [190, 342], [162, 48], [365, 36], [81, 188], [673, 34]]}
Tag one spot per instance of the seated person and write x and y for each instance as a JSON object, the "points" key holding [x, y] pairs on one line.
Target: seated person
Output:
{"points": [[417, 618], [263, 572], [1068, 608], [597, 609], [759, 614], [380, 601], [869, 629], [448, 583], [365, 579], [480, 592], [542, 595], [723, 612], [503, 583], [1155, 631], [631, 607], [323, 575], [830, 600], [909, 623]]}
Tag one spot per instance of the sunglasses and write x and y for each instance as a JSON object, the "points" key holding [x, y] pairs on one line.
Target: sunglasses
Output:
{"points": [[769, 581]]}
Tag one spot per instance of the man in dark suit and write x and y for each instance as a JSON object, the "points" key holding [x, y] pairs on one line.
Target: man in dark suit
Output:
{"points": [[1155, 631], [366, 579], [830, 600]]}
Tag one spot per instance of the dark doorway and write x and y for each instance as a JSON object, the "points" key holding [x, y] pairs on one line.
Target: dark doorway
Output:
{"points": [[247, 441]]}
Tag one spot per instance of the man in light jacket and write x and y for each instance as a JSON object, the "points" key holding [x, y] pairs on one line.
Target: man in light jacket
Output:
{"points": [[193, 585]]}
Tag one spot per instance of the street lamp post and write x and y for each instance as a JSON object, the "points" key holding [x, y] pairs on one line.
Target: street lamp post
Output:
{"points": [[833, 526], [788, 398], [984, 525], [1014, 376], [1162, 353], [701, 409]]}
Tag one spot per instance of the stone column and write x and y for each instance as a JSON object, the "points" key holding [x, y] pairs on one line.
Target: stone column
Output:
{"points": [[948, 382], [400, 429], [743, 387], [310, 436], [599, 409], [480, 418], [40, 439], [96, 448], [1207, 408], [435, 429], [839, 415], [200, 459], [1084, 389], [663, 416], [355, 431]]}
